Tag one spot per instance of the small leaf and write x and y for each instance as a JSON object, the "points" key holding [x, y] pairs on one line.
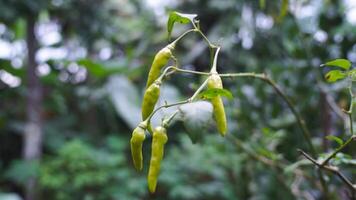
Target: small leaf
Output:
{"points": [[213, 92], [179, 17], [343, 63], [334, 75], [336, 139]]}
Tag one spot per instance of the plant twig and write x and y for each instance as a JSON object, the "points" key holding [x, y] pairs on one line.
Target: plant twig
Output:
{"points": [[349, 112], [333, 154], [215, 61], [211, 45], [265, 78], [332, 169], [183, 35], [191, 99], [301, 122], [276, 166]]}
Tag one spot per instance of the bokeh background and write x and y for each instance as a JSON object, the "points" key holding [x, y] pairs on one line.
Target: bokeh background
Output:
{"points": [[73, 72]]}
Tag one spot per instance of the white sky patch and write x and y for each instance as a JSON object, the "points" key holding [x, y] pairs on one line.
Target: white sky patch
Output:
{"points": [[48, 33], [306, 14], [159, 8], [338, 38], [19, 49], [76, 51], [320, 36], [80, 75], [48, 53], [5, 47], [306, 11], [17, 63], [12, 50], [350, 11], [105, 53], [246, 33], [351, 55], [263, 21], [2, 29], [73, 68], [9, 79], [43, 69]]}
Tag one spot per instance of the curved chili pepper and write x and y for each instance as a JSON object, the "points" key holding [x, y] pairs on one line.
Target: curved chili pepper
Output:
{"points": [[218, 105], [159, 61], [150, 99], [136, 142], [159, 140]]}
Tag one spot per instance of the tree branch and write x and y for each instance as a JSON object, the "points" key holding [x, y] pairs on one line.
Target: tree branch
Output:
{"points": [[332, 169], [352, 138]]}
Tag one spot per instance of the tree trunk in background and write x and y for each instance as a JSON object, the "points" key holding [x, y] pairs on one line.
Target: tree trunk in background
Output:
{"points": [[32, 139], [326, 120]]}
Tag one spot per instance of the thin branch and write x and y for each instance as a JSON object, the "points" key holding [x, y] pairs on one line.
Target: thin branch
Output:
{"points": [[211, 45], [333, 154], [254, 155], [169, 119], [195, 95], [332, 169], [191, 99], [191, 71], [301, 122], [215, 61], [181, 36], [291, 106], [277, 166], [265, 78]]}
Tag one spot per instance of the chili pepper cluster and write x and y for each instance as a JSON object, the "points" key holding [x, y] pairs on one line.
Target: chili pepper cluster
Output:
{"points": [[159, 134]]}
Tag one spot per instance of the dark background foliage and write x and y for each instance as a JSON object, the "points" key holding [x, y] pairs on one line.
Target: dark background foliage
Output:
{"points": [[92, 58]]}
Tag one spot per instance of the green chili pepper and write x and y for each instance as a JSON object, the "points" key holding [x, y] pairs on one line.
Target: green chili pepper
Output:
{"points": [[150, 99], [160, 60], [137, 138], [218, 105], [159, 140]]}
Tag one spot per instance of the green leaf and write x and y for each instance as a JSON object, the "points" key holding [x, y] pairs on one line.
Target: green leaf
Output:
{"points": [[213, 92], [97, 69], [19, 28], [343, 63], [336, 139], [262, 4], [20, 171], [125, 98], [6, 65], [284, 10], [334, 75], [179, 17]]}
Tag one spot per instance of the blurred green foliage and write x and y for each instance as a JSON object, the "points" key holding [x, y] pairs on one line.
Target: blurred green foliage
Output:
{"points": [[88, 123]]}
